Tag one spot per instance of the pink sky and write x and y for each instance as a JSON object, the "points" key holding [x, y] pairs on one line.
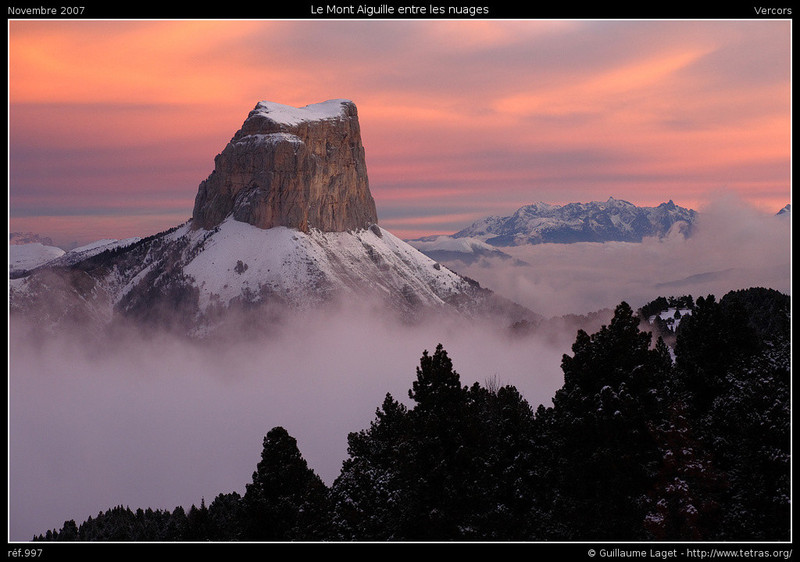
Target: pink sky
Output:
{"points": [[113, 125]]}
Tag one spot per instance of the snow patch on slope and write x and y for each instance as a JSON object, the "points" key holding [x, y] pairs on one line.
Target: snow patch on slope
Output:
{"points": [[670, 318], [302, 268]]}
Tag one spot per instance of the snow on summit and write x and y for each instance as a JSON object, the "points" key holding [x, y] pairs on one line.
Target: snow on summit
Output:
{"points": [[289, 115]]}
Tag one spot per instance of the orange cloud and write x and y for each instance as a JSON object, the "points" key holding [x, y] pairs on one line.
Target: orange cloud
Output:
{"points": [[131, 62]]}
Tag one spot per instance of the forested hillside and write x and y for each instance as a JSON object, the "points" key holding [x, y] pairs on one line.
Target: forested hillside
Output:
{"points": [[642, 442]]}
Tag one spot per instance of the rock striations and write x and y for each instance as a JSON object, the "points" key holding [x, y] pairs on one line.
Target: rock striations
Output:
{"points": [[285, 222], [301, 168]]}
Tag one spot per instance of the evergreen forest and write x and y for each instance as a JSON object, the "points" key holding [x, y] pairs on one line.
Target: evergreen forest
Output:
{"points": [[643, 442]]}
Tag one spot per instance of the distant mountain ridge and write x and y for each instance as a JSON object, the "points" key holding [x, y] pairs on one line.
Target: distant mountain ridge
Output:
{"points": [[20, 238], [614, 220]]}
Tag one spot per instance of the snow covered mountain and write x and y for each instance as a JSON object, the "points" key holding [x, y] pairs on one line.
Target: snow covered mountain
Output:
{"points": [[598, 221], [197, 281], [282, 225]]}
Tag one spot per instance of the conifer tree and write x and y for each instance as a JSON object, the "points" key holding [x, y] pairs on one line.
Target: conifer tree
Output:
{"points": [[226, 517], [197, 523], [437, 385], [605, 456], [368, 497], [454, 467], [286, 499], [685, 501]]}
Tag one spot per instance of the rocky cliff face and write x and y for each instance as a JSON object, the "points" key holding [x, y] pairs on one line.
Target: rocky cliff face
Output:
{"points": [[302, 168]]}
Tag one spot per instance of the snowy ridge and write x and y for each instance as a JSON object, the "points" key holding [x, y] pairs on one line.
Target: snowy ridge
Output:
{"points": [[598, 221], [92, 249]]}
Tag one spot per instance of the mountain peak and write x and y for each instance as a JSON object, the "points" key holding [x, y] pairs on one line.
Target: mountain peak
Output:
{"points": [[302, 168], [284, 223]]}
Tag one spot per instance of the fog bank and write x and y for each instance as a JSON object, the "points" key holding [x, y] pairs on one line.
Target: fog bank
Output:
{"points": [[162, 423]]}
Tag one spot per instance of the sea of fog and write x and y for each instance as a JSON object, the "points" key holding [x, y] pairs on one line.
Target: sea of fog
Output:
{"points": [[160, 423]]}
